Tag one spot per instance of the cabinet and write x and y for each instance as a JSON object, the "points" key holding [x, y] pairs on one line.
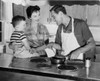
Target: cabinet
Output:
{"points": [[44, 12]]}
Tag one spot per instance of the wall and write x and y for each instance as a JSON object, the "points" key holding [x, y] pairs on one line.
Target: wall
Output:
{"points": [[86, 12], [96, 33], [7, 21]]}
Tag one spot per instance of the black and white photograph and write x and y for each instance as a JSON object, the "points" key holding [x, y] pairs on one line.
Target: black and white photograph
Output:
{"points": [[49, 40]]}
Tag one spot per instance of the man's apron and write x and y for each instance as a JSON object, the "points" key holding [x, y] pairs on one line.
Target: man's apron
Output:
{"points": [[69, 42]]}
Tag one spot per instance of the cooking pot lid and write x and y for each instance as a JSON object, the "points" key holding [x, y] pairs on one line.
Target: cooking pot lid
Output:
{"points": [[67, 67], [38, 60]]}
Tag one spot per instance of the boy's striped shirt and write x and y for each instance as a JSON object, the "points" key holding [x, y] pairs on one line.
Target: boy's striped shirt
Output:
{"points": [[17, 36]]}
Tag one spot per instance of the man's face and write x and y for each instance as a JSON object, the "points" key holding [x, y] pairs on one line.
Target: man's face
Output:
{"points": [[56, 17], [35, 16]]}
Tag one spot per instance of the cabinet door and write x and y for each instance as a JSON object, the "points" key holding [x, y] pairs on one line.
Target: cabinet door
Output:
{"points": [[44, 13], [18, 10]]}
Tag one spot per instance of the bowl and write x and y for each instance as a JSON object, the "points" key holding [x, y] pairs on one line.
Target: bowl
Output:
{"points": [[58, 60]]}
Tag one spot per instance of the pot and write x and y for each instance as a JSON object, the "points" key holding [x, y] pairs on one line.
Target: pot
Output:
{"points": [[58, 60]]}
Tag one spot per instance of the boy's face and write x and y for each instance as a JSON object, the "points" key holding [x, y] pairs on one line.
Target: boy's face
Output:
{"points": [[21, 26], [35, 16]]}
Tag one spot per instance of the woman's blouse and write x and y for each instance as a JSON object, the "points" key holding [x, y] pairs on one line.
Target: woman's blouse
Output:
{"points": [[38, 38]]}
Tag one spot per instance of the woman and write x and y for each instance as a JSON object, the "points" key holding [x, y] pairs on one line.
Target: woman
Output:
{"points": [[36, 32]]}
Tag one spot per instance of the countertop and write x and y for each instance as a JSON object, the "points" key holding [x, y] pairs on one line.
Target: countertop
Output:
{"points": [[26, 68]]}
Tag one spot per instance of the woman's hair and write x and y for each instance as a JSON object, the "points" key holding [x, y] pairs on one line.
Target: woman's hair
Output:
{"points": [[16, 20], [32, 9], [58, 8]]}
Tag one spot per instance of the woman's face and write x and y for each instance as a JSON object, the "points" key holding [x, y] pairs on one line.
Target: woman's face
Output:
{"points": [[35, 16]]}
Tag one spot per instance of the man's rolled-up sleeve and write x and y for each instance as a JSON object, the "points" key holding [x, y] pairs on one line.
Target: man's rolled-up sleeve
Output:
{"points": [[86, 31]]}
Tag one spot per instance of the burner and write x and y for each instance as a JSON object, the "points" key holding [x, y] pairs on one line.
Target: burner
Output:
{"points": [[67, 67]]}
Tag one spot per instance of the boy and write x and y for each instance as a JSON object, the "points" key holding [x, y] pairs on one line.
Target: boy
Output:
{"points": [[18, 38]]}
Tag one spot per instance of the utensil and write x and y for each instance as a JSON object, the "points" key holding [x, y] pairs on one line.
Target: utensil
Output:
{"points": [[58, 60]]}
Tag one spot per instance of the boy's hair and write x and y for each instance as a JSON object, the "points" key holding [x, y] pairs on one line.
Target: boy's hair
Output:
{"points": [[32, 9], [17, 19], [58, 8]]}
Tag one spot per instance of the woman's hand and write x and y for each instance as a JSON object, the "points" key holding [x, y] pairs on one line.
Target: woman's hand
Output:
{"points": [[32, 50], [42, 36], [54, 45], [34, 37]]}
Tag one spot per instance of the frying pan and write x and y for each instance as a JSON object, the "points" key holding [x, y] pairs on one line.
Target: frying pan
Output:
{"points": [[58, 60]]}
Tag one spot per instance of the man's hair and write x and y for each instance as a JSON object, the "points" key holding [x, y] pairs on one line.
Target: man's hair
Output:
{"points": [[58, 8], [17, 19], [32, 9]]}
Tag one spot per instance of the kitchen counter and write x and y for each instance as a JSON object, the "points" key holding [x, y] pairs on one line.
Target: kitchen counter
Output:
{"points": [[24, 70]]}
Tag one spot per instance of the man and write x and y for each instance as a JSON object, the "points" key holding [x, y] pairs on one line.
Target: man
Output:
{"points": [[73, 35]]}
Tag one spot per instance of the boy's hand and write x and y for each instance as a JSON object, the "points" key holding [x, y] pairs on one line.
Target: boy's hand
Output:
{"points": [[14, 46]]}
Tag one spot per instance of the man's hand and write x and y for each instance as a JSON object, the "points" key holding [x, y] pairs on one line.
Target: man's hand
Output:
{"points": [[50, 45], [57, 46], [75, 54]]}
